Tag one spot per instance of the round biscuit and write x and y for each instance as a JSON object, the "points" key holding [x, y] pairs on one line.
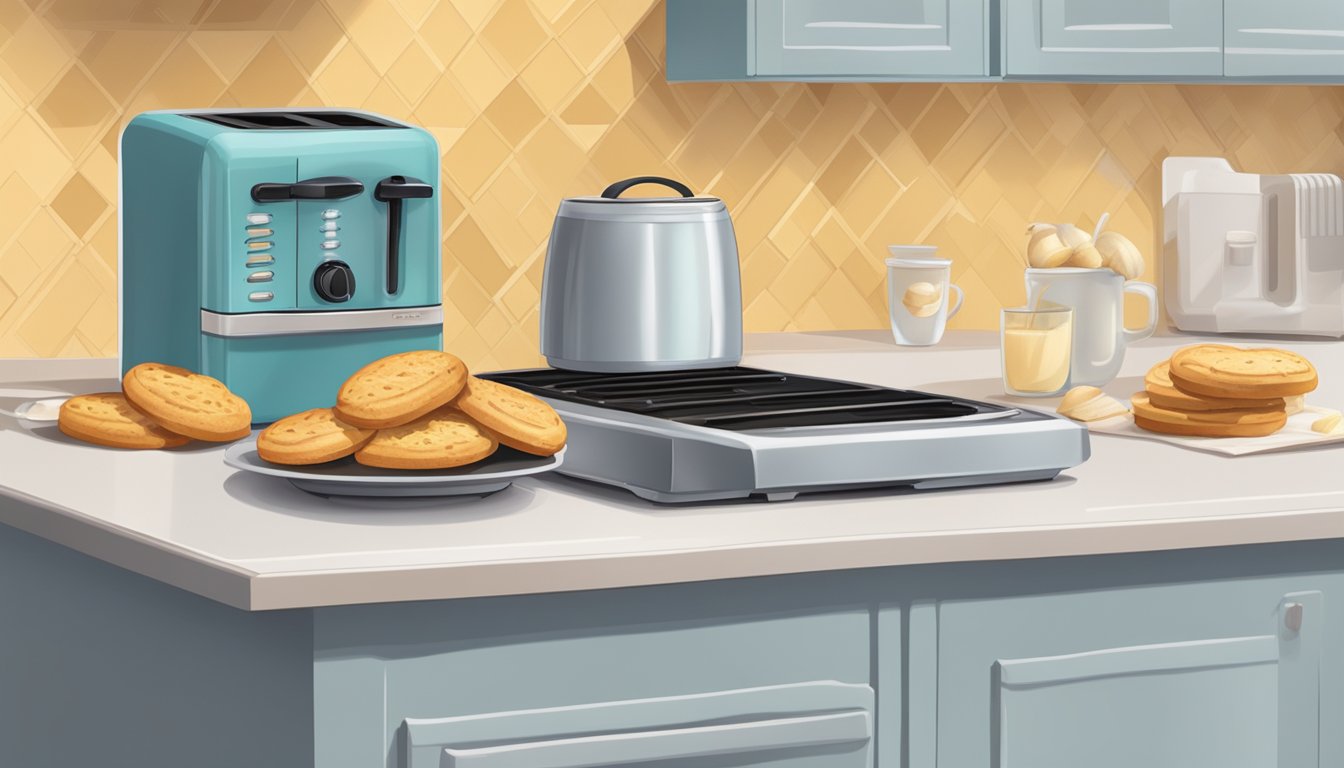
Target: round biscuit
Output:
{"points": [[440, 440], [400, 388], [1209, 430], [517, 418], [107, 419], [312, 437], [1227, 423], [1164, 394], [187, 403], [1218, 370]]}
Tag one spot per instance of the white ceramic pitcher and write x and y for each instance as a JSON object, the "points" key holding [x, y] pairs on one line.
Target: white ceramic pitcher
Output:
{"points": [[1097, 297]]}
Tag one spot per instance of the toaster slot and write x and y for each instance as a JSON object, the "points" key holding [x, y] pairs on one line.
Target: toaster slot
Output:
{"points": [[272, 120]]}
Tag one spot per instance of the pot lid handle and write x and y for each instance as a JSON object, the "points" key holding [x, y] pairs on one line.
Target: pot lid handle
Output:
{"points": [[614, 191]]}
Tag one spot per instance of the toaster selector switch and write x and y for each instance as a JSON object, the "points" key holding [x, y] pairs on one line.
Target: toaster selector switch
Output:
{"points": [[334, 281]]}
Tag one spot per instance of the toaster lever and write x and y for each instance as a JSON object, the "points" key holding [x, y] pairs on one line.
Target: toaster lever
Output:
{"points": [[392, 191], [321, 188]]}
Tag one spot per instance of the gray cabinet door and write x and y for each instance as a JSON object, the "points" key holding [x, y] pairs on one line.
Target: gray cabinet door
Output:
{"points": [[1302, 38], [413, 684], [859, 38], [1224, 674], [1105, 38]]}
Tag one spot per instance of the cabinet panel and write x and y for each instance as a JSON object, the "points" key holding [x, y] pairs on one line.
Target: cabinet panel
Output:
{"points": [[1201, 674], [584, 658], [1102, 38], [1304, 38], [1179, 699], [871, 37]]}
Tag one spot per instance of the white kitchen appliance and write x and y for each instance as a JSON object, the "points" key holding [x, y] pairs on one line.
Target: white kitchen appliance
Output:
{"points": [[724, 433], [1251, 253]]}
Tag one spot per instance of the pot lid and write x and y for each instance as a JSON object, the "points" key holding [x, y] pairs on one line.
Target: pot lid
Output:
{"points": [[611, 204], [612, 194]]}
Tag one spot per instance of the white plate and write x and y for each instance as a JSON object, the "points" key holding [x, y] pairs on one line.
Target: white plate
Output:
{"points": [[1297, 433], [346, 477]]}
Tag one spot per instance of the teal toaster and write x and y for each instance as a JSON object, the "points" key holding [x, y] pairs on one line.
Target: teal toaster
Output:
{"points": [[277, 250]]}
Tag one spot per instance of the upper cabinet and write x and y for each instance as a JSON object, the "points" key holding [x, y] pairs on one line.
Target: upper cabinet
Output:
{"points": [[827, 39], [1104, 38], [992, 40], [874, 37], [1291, 39]]}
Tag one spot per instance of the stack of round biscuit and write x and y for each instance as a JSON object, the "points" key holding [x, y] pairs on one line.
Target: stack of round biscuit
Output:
{"points": [[160, 406], [415, 410], [1215, 390]]}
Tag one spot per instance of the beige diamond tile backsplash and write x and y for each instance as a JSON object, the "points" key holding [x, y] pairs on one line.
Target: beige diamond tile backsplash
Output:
{"points": [[534, 100]]}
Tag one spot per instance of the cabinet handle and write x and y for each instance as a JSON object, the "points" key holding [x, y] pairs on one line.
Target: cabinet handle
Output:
{"points": [[674, 744], [1292, 617]]}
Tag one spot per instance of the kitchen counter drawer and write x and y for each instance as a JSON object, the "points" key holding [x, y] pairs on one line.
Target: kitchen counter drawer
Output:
{"points": [[482, 683], [1221, 673], [822, 724]]}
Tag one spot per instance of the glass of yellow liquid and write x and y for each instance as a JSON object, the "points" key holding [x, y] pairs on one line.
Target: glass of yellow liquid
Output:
{"points": [[1035, 343]]}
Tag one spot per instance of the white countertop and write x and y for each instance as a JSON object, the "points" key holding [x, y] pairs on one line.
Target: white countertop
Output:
{"points": [[257, 543]]}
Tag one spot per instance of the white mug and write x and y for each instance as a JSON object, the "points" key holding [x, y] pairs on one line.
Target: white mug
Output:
{"points": [[918, 286], [1097, 297]]}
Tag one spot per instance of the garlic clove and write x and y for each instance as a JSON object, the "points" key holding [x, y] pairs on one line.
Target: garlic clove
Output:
{"points": [[1332, 424], [1090, 404], [1074, 237], [1044, 248], [1120, 255], [1077, 396]]}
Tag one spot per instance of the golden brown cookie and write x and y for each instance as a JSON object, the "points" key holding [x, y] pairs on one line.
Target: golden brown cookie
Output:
{"points": [[399, 389], [442, 439], [1246, 422], [1217, 370], [517, 419], [107, 419], [1164, 394], [311, 437], [187, 403]]}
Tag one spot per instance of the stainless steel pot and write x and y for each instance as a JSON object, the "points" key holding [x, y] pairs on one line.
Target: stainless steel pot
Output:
{"points": [[641, 284]]}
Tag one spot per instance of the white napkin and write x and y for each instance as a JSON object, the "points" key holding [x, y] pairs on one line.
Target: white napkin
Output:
{"points": [[1296, 433]]}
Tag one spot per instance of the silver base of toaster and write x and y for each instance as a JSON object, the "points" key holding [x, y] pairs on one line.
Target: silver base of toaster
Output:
{"points": [[670, 463]]}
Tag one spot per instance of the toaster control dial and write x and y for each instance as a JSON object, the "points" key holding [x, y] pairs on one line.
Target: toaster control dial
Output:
{"points": [[334, 281]]}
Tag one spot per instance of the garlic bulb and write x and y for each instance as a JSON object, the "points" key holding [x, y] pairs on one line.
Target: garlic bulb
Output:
{"points": [[1084, 253], [1086, 256], [1120, 255], [1044, 248], [923, 299]]}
